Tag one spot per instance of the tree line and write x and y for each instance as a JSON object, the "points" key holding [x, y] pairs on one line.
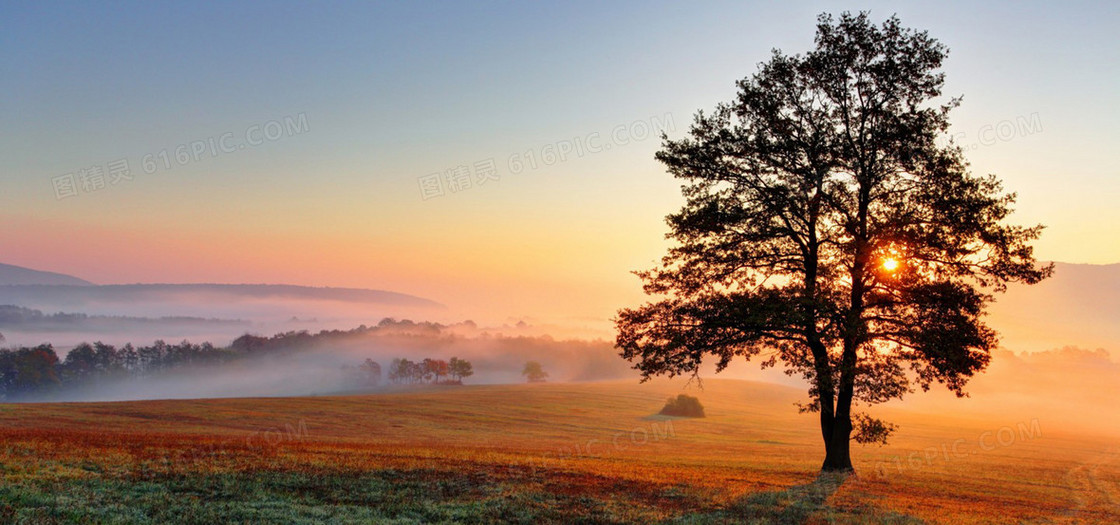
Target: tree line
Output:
{"points": [[33, 371], [404, 371], [27, 371], [25, 318]]}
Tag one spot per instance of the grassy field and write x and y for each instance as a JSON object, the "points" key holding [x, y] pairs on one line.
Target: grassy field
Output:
{"points": [[544, 453]]}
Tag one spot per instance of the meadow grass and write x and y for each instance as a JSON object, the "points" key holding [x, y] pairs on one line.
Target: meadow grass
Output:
{"points": [[554, 453]]}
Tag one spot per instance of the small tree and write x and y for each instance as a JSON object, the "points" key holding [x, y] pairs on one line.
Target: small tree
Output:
{"points": [[460, 368], [130, 359], [440, 368], [35, 370], [403, 371], [396, 374], [80, 364], [534, 372], [429, 369], [371, 372]]}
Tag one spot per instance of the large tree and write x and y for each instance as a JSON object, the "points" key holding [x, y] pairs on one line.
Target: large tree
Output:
{"points": [[828, 228]]}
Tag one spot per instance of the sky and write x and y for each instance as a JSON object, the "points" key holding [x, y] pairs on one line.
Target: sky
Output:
{"points": [[299, 142]]}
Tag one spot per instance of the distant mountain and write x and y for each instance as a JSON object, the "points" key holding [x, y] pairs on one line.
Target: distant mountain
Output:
{"points": [[1079, 305], [70, 295], [17, 275]]}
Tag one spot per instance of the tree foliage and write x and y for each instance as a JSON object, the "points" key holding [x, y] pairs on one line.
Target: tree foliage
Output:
{"points": [[826, 227]]}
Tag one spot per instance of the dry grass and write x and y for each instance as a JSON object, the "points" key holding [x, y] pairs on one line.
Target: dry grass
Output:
{"points": [[591, 453]]}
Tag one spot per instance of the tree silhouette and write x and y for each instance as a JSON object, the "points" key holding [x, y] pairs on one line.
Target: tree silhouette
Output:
{"points": [[460, 368], [826, 228], [371, 372], [26, 371], [439, 369], [403, 371], [534, 373], [430, 369]]}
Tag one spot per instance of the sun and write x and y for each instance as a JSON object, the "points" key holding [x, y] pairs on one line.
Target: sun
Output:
{"points": [[890, 265]]}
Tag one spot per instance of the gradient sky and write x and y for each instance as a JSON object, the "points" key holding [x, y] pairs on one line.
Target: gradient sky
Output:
{"points": [[392, 92]]}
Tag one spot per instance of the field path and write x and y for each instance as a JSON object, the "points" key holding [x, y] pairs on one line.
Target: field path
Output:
{"points": [[1097, 493]]}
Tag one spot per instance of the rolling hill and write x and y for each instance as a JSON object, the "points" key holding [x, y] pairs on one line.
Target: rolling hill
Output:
{"points": [[144, 312], [47, 290], [26, 319], [17, 275], [72, 295]]}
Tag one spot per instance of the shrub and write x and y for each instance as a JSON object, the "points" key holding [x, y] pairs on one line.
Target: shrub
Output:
{"points": [[683, 406]]}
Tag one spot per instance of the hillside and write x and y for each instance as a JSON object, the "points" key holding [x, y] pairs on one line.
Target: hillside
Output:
{"points": [[46, 290], [548, 453], [17, 275], [35, 295], [26, 319]]}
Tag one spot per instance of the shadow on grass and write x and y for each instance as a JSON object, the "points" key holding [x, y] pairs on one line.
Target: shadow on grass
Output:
{"points": [[800, 505]]}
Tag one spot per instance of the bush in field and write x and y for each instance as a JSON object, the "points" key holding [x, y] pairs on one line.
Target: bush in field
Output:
{"points": [[683, 406]]}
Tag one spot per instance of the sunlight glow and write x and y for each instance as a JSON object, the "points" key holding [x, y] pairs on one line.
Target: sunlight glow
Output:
{"points": [[890, 265]]}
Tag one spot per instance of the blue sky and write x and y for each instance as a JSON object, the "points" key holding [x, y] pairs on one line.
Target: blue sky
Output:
{"points": [[394, 91]]}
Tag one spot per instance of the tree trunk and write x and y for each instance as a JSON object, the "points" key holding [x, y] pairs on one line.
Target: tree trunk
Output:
{"points": [[837, 449], [838, 457]]}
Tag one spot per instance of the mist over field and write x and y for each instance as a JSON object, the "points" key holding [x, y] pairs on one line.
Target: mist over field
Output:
{"points": [[1063, 372], [315, 367], [1078, 305], [1069, 387], [66, 315], [1075, 307]]}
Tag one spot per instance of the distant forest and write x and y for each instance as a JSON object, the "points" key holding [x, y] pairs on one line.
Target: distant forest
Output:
{"points": [[34, 371], [20, 318]]}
